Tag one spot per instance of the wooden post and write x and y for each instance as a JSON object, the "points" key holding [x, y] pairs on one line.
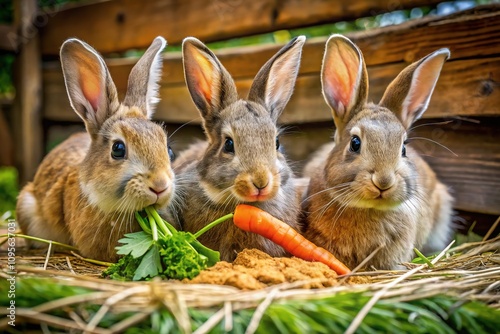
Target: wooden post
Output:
{"points": [[28, 84]]}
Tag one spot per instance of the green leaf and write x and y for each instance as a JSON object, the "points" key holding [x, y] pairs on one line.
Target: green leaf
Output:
{"points": [[150, 265], [136, 244]]}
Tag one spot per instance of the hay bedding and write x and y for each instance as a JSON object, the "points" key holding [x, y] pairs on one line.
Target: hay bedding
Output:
{"points": [[460, 293]]}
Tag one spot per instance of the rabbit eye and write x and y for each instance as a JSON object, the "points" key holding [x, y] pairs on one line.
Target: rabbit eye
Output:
{"points": [[171, 154], [355, 144], [118, 150], [277, 143], [229, 145], [403, 151]]}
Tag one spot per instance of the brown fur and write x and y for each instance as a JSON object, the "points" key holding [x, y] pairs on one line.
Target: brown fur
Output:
{"points": [[216, 181], [81, 195], [358, 201]]}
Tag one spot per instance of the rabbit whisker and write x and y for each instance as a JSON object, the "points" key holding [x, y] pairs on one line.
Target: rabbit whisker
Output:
{"points": [[428, 124], [344, 205], [339, 186], [435, 142], [338, 194], [180, 127], [120, 209]]}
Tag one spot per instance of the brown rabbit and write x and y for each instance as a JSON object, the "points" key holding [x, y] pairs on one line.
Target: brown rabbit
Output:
{"points": [[87, 189], [241, 162], [368, 189]]}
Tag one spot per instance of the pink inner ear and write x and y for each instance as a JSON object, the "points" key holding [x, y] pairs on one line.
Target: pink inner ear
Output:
{"points": [[91, 87], [340, 75], [423, 82], [203, 76]]}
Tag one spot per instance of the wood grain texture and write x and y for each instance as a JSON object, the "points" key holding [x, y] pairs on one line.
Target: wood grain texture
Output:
{"points": [[27, 112], [469, 34], [473, 171], [119, 25], [465, 87], [469, 84]]}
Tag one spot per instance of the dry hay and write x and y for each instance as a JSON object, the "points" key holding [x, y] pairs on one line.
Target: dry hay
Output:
{"points": [[81, 301]]}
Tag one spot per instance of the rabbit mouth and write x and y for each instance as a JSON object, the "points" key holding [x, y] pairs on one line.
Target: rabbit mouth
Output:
{"points": [[253, 194], [257, 198], [158, 198], [384, 200], [257, 188], [375, 198], [378, 203]]}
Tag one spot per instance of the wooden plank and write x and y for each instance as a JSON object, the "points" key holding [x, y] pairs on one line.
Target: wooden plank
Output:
{"points": [[8, 37], [467, 34], [473, 175], [119, 25], [27, 111], [466, 88]]}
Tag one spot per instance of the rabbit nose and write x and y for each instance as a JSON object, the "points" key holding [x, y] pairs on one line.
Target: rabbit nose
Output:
{"points": [[260, 186], [383, 182], [159, 185], [157, 191], [261, 180]]}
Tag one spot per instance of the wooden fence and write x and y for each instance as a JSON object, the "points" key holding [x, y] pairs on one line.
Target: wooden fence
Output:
{"points": [[467, 94]]}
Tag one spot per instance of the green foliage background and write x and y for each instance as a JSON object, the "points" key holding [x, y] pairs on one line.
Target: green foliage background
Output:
{"points": [[8, 189]]}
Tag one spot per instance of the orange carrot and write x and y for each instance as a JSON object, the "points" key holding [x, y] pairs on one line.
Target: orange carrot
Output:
{"points": [[255, 220]]}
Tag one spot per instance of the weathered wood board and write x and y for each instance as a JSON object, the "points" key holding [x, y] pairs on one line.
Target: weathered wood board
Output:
{"points": [[27, 106], [468, 86], [119, 25]]}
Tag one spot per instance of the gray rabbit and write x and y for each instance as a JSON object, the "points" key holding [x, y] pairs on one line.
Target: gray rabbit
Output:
{"points": [[240, 162]]}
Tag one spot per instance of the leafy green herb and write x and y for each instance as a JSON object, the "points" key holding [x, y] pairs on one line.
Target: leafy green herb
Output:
{"points": [[124, 269], [160, 250], [150, 265], [135, 244]]}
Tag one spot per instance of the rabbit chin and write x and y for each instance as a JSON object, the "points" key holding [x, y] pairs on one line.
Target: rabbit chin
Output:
{"points": [[382, 204], [232, 195], [109, 203]]}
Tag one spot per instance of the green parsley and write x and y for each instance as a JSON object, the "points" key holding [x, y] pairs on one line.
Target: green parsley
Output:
{"points": [[160, 250]]}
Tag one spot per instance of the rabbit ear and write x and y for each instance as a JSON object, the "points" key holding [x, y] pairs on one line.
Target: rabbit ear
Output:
{"points": [[211, 87], [142, 90], [92, 93], [273, 85], [409, 94], [343, 78]]}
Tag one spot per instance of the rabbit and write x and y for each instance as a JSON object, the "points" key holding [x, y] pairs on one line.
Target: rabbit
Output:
{"points": [[86, 190], [241, 160], [367, 188]]}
